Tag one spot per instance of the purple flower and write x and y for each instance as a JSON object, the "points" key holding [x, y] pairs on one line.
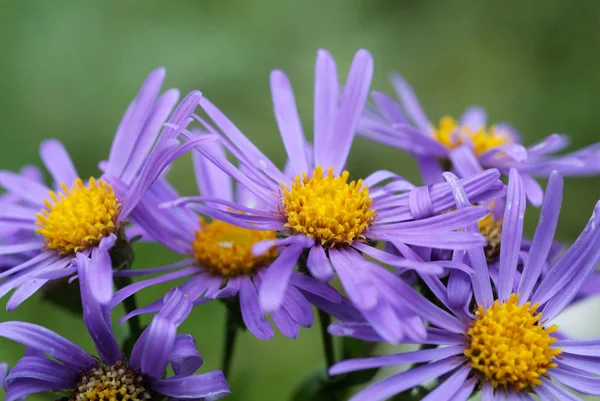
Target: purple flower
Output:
{"points": [[72, 369], [319, 212], [85, 217], [507, 345], [469, 144], [219, 260]]}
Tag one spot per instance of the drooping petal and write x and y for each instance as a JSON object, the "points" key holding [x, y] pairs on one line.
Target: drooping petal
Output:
{"points": [[185, 358], [96, 316], [450, 387], [411, 104], [207, 385], [276, 277], [251, 311], [318, 264]]}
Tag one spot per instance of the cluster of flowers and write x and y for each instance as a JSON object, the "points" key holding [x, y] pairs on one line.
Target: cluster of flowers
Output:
{"points": [[444, 265]]}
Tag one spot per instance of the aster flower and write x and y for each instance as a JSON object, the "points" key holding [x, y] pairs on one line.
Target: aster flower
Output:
{"points": [[507, 345], [87, 377], [85, 216], [218, 257], [320, 212], [469, 144]]}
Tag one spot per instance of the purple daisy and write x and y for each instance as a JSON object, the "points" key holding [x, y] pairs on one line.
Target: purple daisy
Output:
{"points": [[219, 260], [85, 217], [87, 377], [469, 144], [319, 212], [507, 345]]}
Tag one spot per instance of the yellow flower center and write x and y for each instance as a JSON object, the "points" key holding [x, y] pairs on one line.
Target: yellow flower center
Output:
{"points": [[78, 218], [451, 135], [226, 250], [509, 346], [492, 230], [328, 208], [111, 383]]}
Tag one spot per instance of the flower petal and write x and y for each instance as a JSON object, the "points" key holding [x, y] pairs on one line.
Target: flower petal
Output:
{"points": [[212, 384]]}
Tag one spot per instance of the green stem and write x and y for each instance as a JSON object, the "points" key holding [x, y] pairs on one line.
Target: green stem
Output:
{"points": [[328, 351], [130, 304], [231, 331]]}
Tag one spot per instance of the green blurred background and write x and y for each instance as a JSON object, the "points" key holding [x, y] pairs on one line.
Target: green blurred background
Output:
{"points": [[69, 69]]}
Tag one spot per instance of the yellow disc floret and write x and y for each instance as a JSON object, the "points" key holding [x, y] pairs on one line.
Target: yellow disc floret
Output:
{"points": [[76, 219], [491, 229], [451, 135], [509, 347], [328, 208], [226, 250], [111, 383]]}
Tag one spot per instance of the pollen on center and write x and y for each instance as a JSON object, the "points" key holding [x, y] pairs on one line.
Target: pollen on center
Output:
{"points": [[450, 134], [509, 346], [226, 249], [491, 229], [78, 218], [328, 208]]}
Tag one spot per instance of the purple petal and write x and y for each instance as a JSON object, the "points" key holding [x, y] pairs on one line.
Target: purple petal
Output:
{"points": [[396, 359], [99, 272], [587, 347], [389, 108], [29, 190], [354, 279], [160, 336], [21, 247], [128, 291], [132, 122], [577, 381], [318, 264], [411, 104], [211, 180], [58, 162], [450, 387], [351, 106], [464, 161], [543, 237], [19, 390], [96, 316], [316, 287], [43, 369], [534, 191], [512, 233], [406, 380], [251, 311], [288, 121], [298, 308], [276, 278], [48, 342], [185, 358], [284, 322], [241, 141], [325, 105], [554, 392], [474, 118], [23, 292], [212, 384]]}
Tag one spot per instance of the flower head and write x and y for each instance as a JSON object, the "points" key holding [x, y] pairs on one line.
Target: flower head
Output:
{"points": [[320, 213], [469, 144], [85, 216], [111, 376], [507, 344], [219, 260]]}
